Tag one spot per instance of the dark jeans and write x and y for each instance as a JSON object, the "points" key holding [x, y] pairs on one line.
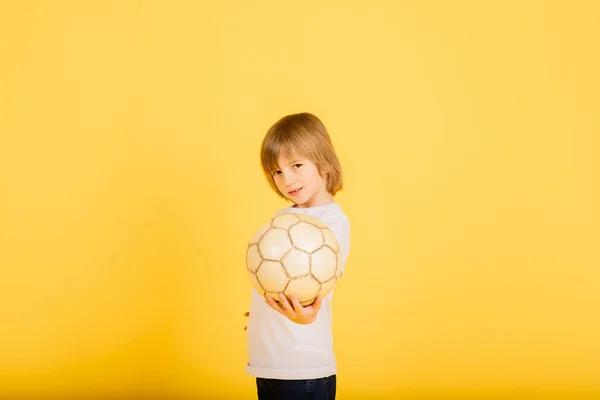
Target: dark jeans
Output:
{"points": [[305, 389]]}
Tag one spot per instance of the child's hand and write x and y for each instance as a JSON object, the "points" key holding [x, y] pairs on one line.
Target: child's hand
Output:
{"points": [[246, 314], [295, 312]]}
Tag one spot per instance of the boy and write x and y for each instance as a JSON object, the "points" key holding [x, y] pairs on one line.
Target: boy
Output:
{"points": [[290, 347]]}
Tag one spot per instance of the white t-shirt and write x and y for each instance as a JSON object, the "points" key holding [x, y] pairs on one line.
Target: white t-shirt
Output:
{"points": [[281, 349]]}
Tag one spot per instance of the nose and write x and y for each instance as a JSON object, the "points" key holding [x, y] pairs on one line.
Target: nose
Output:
{"points": [[288, 178]]}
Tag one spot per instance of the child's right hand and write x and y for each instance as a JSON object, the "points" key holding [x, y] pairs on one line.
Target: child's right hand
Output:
{"points": [[246, 314]]}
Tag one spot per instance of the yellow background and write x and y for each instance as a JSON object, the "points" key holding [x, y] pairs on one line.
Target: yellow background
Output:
{"points": [[130, 183]]}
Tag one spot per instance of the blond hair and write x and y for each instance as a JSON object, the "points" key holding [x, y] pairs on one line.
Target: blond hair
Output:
{"points": [[302, 135]]}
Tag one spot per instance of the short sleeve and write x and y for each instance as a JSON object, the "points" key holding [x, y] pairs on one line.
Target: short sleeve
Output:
{"points": [[340, 226]]}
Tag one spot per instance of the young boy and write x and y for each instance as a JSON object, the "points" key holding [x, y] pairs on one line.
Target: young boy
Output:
{"points": [[290, 347]]}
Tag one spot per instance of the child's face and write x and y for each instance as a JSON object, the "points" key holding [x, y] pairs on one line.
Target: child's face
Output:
{"points": [[298, 179]]}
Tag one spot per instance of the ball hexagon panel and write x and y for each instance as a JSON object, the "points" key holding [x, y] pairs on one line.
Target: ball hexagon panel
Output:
{"points": [[261, 231], [255, 283], [312, 220], [285, 221], [330, 240], [253, 258], [272, 277], [327, 286], [307, 286], [278, 244], [296, 263], [306, 237], [323, 264]]}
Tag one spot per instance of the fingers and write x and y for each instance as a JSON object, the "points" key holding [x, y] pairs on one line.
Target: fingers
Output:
{"points": [[273, 304], [297, 306], [284, 302]]}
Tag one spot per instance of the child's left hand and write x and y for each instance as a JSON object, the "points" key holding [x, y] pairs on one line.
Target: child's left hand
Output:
{"points": [[295, 312]]}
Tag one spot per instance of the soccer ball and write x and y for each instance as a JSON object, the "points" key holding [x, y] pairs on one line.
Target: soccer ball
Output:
{"points": [[294, 253]]}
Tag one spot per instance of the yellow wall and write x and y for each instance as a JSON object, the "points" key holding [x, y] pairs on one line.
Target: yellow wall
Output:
{"points": [[130, 183]]}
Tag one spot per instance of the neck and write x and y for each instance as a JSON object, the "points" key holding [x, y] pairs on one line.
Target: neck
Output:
{"points": [[323, 200]]}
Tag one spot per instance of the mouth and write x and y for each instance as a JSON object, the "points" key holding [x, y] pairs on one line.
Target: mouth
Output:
{"points": [[294, 192]]}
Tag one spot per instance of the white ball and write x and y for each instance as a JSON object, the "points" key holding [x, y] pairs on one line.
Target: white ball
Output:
{"points": [[294, 253]]}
